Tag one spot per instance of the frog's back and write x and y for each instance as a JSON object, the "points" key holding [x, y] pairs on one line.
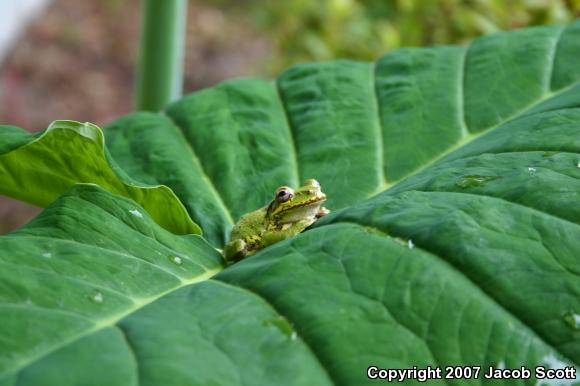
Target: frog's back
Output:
{"points": [[249, 226], [246, 237]]}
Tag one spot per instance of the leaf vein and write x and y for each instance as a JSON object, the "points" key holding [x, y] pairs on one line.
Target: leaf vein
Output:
{"points": [[212, 188], [292, 140], [380, 141], [471, 137], [453, 268], [270, 303], [552, 60], [132, 351]]}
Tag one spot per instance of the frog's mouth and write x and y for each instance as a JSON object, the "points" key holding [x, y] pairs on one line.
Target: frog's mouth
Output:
{"points": [[298, 212]]}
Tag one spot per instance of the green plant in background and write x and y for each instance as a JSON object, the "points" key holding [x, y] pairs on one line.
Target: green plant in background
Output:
{"points": [[453, 176], [304, 30], [160, 72]]}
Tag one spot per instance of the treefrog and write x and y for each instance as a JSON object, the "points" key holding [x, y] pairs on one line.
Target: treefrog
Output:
{"points": [[289, 213]]}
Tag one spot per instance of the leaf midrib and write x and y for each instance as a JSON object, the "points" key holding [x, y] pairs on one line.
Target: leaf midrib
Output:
{"points": [[110, 251], [111, 321]]}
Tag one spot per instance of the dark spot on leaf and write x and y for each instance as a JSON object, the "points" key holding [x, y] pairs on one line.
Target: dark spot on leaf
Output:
{"points": [[474, 181]]}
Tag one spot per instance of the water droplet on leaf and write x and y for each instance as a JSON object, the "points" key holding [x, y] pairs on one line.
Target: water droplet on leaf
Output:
{"points": [[47, 255], [474, 181], [531, 169], [97, 297], [572, 319], [176, 260], [136, 213], [410, 244]]}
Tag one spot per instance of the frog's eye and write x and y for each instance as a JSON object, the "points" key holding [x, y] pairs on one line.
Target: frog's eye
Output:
{"points": [[284, 194], [312, 182]]}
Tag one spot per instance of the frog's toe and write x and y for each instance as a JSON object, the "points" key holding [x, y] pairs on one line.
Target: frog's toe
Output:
{"points": [[235, 250], [322, 212]]}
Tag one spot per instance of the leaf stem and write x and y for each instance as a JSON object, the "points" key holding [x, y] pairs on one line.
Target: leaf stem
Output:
{"points": [[160, 66]]}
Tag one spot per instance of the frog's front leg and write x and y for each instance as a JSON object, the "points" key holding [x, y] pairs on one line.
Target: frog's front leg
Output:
{"points": [[235, 250], [288, 230], [322, 212]]}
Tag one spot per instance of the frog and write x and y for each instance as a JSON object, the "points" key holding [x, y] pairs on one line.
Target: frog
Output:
{"points": [[289, 213]]}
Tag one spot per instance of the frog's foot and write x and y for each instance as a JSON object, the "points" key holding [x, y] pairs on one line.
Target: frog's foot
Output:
{"points": [[274, 237], [235, 250], [322, 212]]}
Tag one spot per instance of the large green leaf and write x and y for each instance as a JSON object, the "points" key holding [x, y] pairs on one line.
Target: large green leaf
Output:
{"points": [[38, 168], [453, 176], [95, 285]]}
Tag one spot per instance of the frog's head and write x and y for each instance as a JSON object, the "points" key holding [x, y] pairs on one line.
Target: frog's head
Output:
{"points": [[293, 205]]}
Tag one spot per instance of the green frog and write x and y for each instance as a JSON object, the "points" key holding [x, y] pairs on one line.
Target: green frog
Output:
{"points": [[289, 213]]}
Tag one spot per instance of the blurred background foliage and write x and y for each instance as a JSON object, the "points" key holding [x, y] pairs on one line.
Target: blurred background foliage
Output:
{"points": [[77, 60], [304, 30]]}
